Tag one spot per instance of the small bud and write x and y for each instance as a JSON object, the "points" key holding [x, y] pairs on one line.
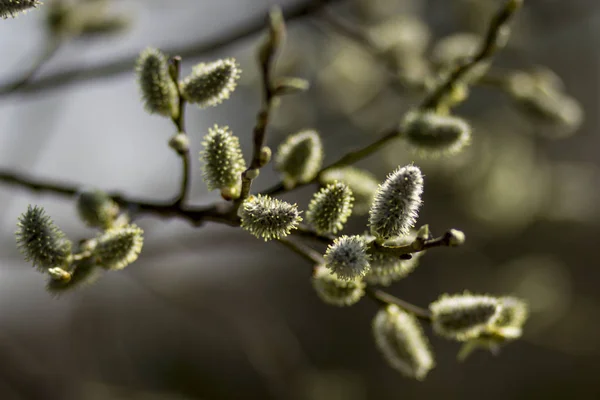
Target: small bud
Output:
{"points": [[223, 161], [387, 268], [396, 205], [400, 339], [335, 291], [211, 83], [159, 92], [464, 316], [59, 274], [96, 209], [347, 257], [117, 248], [362, 184], [455, 238], [253, 173], [287, 85], [277, 29], [330, 208], [11, 8], [42, 242], [431, 134], [268, 218], [265, 156], [277, 35], [423, 232], [84, 273], [180, 143], [299, 157]]}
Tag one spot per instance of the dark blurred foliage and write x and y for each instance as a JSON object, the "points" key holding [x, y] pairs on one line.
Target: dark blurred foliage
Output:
{"points": [[216, 314]]}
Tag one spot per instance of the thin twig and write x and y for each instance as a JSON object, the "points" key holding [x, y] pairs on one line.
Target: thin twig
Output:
{"points": [[179, 121], [385, 298], [267, 56], [494, 40], [303, 250], [419, 244], [124, 65]]}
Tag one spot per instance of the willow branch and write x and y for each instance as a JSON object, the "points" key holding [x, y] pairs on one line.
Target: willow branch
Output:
{"points": [[492, 43], [494, 40], [179, 122], [267, 56], [385, 299], [123, 65], [50, 48], [313, 256]]}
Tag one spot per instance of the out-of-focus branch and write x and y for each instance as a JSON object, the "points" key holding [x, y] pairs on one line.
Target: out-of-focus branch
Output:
{"points": [[494, 40], [123, 65], [497, 28], [50, 48]]}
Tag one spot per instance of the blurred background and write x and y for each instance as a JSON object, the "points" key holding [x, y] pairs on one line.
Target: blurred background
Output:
{"points": [[213, 313]]}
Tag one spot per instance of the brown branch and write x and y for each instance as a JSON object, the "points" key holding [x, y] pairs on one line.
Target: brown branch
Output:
{"points": [[125, 64]]}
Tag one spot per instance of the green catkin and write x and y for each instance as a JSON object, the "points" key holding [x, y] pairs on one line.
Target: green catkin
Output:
{"points": [[464, 316], [431, 134], [210, 84], [335, 291], [11, 8], [347, 257], [41, 241], [400, 339], [223, 161], [159, 92], [299, 157], [362, 184], [117, 248], [268, 218], [330, 208], [396, 205], [96, 209]]}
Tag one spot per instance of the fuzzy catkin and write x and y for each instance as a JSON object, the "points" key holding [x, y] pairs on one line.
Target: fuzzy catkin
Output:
{"points": [[431, 134], [11, 8], [347, 257], [400, 339], [96, 209], [330, 208], [117, 248], [362, 184], [210, 84], [335, 291], [41, 241], [159, 92], [223, 161], [396, 205], [268, 218], [299, 157], [464, 316]]}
